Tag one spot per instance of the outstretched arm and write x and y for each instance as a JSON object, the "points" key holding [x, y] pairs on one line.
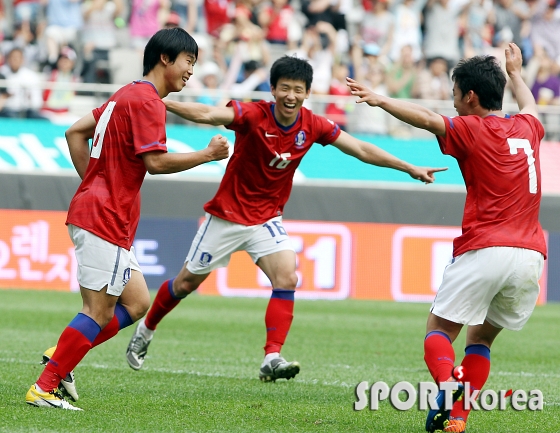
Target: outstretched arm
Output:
{"points": [[163, 163], [413, 114], [372, 154], [525, 99], [77, 137], [201, 113]]}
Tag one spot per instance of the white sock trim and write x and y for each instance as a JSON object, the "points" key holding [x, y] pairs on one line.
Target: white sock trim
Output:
{"points": [[145, 332]]}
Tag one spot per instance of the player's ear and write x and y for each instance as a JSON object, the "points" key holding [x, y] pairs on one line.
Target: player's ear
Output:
{"points": [[307, 93], [164, 59]]}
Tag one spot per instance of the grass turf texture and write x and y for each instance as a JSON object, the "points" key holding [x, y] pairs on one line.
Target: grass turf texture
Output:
{"points": [[201, 373]]}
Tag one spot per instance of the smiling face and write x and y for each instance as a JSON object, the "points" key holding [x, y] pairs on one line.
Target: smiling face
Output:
{"points": [[177, 73], [289, 95]]}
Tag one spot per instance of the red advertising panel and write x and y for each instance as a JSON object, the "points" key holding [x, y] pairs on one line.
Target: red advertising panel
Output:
{"points": [[36, 251], [334, 260]]}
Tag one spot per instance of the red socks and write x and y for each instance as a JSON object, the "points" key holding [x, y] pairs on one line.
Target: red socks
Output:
{"points": [[278, 319], [74, 342], [476, 365], [164, 302], [439, 355]]}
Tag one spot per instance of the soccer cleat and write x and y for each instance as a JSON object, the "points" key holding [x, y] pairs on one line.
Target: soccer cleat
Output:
{"points": [[47, 399], [136, 350], [436, 419], [67, 385], [278, 368], [457, 425]]}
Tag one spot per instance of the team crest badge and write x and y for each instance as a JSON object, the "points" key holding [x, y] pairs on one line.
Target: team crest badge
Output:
{"points": [[205, 259], [300, 138], [126, 276]]}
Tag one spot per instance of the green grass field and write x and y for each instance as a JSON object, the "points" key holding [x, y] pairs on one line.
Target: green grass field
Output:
{"points": [[201, 373]]}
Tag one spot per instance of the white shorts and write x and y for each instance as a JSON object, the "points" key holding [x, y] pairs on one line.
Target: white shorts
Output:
{"points": [[217, 239], [101, 263], [498, 284]]}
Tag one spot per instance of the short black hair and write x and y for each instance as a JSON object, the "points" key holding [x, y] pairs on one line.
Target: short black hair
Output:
{"points": [[171, 42], [485, 77], [291, 68]]}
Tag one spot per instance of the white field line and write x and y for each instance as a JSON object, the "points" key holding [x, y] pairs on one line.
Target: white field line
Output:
{"points": [[336, 383]]}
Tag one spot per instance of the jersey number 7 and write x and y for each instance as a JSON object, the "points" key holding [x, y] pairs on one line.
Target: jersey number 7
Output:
{"points": [[523, 143]]}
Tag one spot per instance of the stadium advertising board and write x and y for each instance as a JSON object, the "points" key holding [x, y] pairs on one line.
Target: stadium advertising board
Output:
{"points": [[39, 146], [334, 260]]}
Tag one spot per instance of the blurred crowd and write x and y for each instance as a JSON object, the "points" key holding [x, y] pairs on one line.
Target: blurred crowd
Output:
{"points": [[402, 48]]}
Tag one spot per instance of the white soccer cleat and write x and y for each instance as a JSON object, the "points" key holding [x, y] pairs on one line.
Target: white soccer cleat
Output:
{"points": [[67, 385], [136, 350], [278, 368]]}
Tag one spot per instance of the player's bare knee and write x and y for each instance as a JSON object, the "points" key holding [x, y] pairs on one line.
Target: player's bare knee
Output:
{"points": [[287, 282], [138, 310]]}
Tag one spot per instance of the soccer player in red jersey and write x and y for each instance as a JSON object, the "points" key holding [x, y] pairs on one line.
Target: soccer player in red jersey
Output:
{"points": [[246, 212], [492, 281], [128, 140]]}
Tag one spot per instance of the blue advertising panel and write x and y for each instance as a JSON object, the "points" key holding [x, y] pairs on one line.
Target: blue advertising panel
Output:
{"points": [[161, 247]]}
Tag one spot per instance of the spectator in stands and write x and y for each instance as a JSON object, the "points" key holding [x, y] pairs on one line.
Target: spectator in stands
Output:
{"points": [[441, 34], [377, 26], [99, 37], [319, 45], [365, 58], [546, 88], [4, 95], [64, 21], [337, 110], [146, 18], [478, 32], [188, 12], [508, 16], [253, 79], [433, 82], [3, 22], [209, 75], [369, 67], [218, 13], [59, 93], [275, 19], [402, 75], [545, 28], [24, 37], [26, 11], [23, 87], [244, 33], [321, 10], [407, 29]]}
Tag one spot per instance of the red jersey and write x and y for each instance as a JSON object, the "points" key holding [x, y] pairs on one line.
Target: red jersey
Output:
{"points": [[499, 160], [107, 202], [258, 178], [279, 22], [217, 15]]}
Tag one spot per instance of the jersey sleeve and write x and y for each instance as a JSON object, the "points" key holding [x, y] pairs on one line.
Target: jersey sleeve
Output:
{"points": [[460, 135], [534, 123], [327, 130], [244, 116], [148, 127]]}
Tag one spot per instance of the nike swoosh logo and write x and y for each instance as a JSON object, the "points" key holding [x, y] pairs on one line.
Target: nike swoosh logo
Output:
{"points": [[281, 241], [266, 134], [47, 401]]}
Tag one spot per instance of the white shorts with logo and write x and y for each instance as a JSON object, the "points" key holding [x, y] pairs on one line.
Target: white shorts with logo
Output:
{"points": [[217, 239], [101, 263], [498, 284]]}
